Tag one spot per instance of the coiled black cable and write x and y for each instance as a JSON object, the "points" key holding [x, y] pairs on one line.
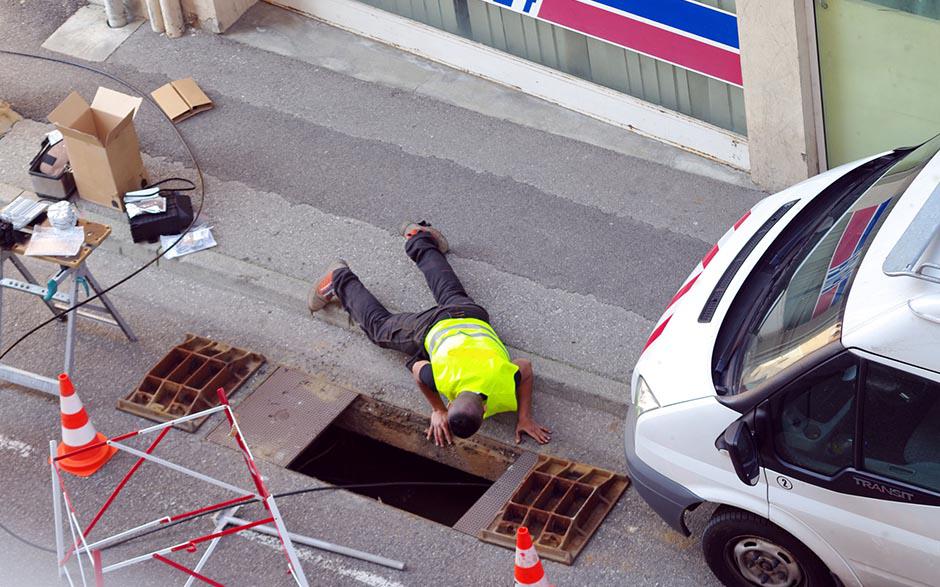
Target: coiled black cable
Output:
{"points": [[186, 147]]}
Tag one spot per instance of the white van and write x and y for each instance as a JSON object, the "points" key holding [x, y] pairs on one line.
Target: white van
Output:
{"points": [[794, 380]]}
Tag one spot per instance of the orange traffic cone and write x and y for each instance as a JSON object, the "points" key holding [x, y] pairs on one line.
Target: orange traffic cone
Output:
{"points": [[528, 566], [78, 432]]}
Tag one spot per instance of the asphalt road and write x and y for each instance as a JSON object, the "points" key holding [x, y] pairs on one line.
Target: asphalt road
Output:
{"points": [[319, 146]]}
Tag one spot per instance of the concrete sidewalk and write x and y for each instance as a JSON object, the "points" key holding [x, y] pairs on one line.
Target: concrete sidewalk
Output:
{"points": [[320, 144], [573, 248]]}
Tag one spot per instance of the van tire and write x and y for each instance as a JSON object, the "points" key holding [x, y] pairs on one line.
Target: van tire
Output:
{"points": [[730, 529]]}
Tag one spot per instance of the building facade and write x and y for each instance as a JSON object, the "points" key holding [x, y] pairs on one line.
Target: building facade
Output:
{"points": [[780, 88]]}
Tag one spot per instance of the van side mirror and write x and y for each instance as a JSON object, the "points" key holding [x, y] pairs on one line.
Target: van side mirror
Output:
{"points": [[739, 444]]}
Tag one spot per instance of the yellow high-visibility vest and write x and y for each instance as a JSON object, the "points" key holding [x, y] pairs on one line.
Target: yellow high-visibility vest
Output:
{"points": [[466, 355]]}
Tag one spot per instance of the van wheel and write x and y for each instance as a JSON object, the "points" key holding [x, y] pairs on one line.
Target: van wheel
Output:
{"points": [[743, 549]]}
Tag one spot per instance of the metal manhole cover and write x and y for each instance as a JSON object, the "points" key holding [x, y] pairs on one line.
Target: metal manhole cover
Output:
{"points": [[482, 512], [285, 414], [562, 503]]}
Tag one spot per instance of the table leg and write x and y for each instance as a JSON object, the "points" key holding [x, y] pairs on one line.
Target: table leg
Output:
{"points": [[29, 277], [71, 319], [107, 304]]}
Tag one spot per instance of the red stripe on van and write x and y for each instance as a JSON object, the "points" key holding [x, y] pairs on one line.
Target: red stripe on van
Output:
{"points": [[657, 332]]}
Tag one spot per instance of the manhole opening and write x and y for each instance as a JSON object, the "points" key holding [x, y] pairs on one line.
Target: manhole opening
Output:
{"points": [[374, 442]]}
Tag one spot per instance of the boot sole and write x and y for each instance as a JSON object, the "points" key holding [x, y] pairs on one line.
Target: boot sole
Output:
{"points": [[442, 245]]}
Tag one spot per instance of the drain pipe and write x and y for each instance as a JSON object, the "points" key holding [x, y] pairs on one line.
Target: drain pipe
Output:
{"points": [[155, 15], [117, 15], [173, 22]]}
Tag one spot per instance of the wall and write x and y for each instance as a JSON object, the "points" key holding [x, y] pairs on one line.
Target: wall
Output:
{"points": [[652, 80], [211, 15], [879, 70], [215, 15], [776, 56]]}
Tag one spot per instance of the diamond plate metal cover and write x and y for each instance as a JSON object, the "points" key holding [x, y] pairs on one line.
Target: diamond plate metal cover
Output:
{"points": [[285, 413], [490, 503]]}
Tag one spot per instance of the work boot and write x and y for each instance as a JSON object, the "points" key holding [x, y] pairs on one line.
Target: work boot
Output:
{"points": [[323, 293], [409, 229]]}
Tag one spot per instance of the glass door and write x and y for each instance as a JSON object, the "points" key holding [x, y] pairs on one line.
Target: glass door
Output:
{"points": [[879, 67]]}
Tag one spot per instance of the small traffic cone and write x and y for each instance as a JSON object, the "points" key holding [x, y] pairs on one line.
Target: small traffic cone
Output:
{"points": [[78, 432], [528, 566]]}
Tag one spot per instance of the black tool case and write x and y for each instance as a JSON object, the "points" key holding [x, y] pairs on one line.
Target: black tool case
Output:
{"points": [[178, 216]]}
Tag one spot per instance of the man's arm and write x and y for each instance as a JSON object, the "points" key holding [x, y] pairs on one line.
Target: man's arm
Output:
{"points": [[438, 428], [526, 423]]}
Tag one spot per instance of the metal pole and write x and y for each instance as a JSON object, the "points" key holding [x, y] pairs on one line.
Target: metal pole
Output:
{"points": [[57, 512], [70, 322], [156, 17], [182, 470], [180, 420], [297, 571], [320, 544], [173, 22], [117, 15], [107, 304], [28, 276], [219, 526]]}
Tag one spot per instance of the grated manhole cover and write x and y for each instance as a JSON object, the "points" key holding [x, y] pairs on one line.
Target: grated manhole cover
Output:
{"points": [[286, 413], [185, 380], [562, 503]]}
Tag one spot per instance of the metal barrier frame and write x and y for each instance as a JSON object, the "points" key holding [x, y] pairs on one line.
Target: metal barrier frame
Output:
{"points": [[92, 551]]}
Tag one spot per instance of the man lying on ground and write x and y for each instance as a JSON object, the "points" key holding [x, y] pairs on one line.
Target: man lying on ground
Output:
{"points": [[453, 350]]}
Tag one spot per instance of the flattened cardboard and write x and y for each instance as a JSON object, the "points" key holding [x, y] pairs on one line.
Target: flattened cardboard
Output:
{"points": [[170, 102], [104, 151], [181, 99]]}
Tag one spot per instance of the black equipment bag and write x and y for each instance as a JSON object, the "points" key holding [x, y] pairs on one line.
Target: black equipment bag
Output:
{"points": [[177, 217]]}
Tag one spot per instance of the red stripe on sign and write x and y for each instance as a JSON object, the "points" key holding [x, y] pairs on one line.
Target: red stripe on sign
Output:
{"points": [[654, 41], [738, 224], [853, 233], [824, 301], [656, 333], [682, 291]]}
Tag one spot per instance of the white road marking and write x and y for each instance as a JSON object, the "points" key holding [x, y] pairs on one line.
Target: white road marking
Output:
{"points": [[309, 556], [24, 450]]}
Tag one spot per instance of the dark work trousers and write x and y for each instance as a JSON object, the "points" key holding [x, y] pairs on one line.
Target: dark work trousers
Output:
{"points": [[406, 332]]}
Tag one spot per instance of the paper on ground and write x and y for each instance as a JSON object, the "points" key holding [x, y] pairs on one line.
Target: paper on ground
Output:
{"points": [[197, 239]]}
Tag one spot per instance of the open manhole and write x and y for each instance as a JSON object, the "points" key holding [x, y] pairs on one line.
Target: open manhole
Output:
{"points": [[313, 426]]}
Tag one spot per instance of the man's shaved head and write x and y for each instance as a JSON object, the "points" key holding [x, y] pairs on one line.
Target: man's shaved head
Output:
{"points": [[465, 414]]}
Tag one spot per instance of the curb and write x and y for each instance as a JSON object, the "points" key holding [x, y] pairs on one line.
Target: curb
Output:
{"points": [[553, 377]]}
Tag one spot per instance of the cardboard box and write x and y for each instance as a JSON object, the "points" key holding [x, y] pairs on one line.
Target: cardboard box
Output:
{"points": [[181, 99], [103, 148]]}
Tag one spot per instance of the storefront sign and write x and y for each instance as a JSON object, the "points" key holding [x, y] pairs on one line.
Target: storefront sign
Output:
{"points": [[682, 32]]}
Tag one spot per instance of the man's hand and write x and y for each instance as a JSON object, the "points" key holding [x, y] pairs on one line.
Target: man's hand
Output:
{"points": [[540, 433], [439, 428]]}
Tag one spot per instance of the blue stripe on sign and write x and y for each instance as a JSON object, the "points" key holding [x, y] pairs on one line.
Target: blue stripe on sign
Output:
{"points": [[506, 3], [691, 17]]}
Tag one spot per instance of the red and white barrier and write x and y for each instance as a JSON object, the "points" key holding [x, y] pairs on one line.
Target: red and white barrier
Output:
{"points": [[81, 439]]}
